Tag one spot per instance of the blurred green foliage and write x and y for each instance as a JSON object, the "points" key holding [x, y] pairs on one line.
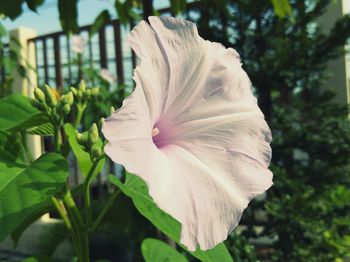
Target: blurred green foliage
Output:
{"points": [[308, 208], [127, 10], [307, 211]]}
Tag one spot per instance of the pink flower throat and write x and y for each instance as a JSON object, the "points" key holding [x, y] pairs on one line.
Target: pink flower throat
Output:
{"points": [[163, 135]]}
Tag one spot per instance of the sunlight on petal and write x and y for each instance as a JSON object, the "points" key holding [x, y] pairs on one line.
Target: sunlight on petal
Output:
{"points": [[192, 130]]}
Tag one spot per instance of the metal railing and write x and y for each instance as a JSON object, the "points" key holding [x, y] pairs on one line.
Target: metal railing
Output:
{"points": [[57, 64]]}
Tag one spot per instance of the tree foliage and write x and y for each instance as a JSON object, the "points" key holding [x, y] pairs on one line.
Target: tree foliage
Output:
{"points": [[287, 61]]}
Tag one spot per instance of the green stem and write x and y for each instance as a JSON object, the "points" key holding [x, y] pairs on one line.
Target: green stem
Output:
{"points": [[78, 225], [85, 246], [60, 208], [87, 183], [62, 213], [57, 139], [80, 112], [72, 208], [103, 212]]}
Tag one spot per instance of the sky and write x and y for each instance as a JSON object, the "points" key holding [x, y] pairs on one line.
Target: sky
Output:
{"points": [[47, 19]]}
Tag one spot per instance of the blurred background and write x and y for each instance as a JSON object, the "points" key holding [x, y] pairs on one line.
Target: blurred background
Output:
{"points": [[296, 54]]}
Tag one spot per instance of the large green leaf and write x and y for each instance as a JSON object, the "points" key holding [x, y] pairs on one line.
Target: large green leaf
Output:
{"points": [[68, 15], [17, 114], [30, 219], [154, 250], [24, 189], [11, 148], [15, 110], [83, 157], [136, 188]]}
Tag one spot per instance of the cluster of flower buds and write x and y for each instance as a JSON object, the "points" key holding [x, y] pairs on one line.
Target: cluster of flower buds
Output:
{"points": [[48, 100], [82, 94], [89, 141]]}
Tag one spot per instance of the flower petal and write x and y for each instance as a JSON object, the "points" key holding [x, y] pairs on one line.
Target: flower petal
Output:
{"points": [[131, 121], [214, 140], [174, 62], [207, 190], [152, 70]]}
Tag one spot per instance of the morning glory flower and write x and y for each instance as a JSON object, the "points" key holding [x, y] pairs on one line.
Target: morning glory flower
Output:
{"points": [[78, 44], [192, 130]]}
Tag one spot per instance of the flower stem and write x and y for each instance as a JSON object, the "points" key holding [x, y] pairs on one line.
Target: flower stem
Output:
{"points": [[80, 112], [78, 226], [87, 183], [61, 210], [57, 139], [109, 203]]}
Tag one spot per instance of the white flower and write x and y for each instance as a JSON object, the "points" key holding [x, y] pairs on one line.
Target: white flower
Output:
{"points": [[192, 130], [108, 76], [78, 44]]}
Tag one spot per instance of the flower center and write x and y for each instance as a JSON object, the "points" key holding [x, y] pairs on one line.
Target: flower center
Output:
{"points": [[155, 132], [163, 134]]}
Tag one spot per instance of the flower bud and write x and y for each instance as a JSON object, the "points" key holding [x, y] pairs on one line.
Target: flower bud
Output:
{"points": [[69, 98], [74, 91], [96, 152], [62, 99], [79, 95], [37, 105], [95, 91], [93, 134], [59, 106], [81, 138], [66, 109], [100, 122], [82, 86], [39, 95], [88, 93], [51, 99]]}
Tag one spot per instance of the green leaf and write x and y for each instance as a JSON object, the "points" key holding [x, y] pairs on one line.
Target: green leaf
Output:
{"points": [[282, 8], [11, 9], [177, 6], [100, 20], [45, 129], [17, 114], [15, 110], [34, 4], [30, 219], [24, 190], [136, 188], [154, 250], [121, 12], [11, 148], [83, 157], [68, 15], [40, 259]]}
